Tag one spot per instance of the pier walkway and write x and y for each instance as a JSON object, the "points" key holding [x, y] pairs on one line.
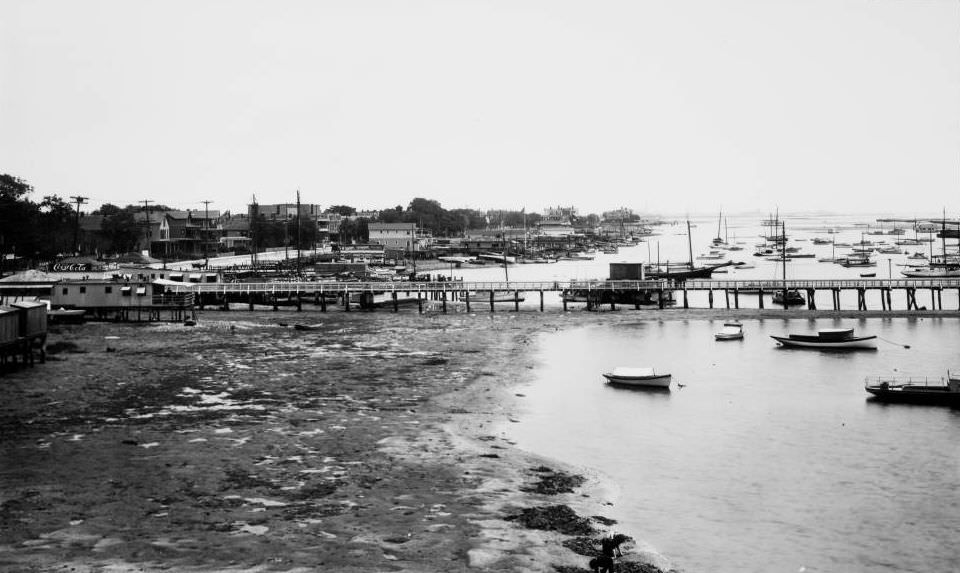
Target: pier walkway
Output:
{"points": [[593, 293]]}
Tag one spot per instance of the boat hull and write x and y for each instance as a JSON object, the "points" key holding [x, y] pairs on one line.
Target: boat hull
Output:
{"points": [[722, 336], [655, 381], [855, 343], [905, 395]]}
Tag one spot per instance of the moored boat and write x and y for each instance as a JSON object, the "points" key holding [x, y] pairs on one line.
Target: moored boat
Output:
{"points": [[913, 391], [828, 339], [639, 377], [731, 331], [793, 297]]}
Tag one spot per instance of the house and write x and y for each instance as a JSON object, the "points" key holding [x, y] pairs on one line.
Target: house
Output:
{"points": [[405, 237]]}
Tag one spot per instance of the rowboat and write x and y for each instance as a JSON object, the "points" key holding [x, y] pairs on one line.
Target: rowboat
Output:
{"points": [[731, 331], [916, 391], [644, 377], [828, 339]]}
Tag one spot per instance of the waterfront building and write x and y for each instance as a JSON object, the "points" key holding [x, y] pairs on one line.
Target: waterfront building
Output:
{"points": [[404, 237], [285, 211]]}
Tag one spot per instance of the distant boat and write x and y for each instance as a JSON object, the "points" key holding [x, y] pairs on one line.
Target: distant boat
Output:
{"points": [[868, 275], [932, 272], [299, 326], [643, 377], [916, 391], [731, 331], [828, 339]]}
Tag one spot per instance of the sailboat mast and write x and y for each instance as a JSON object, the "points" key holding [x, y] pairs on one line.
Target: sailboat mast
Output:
{"points": [[690, 244]]}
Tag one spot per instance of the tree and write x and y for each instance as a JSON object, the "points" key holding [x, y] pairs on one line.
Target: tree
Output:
{"points": [[342, 210], [119, 228]]}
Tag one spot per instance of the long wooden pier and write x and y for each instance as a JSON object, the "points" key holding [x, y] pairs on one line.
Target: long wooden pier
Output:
{"points": [[661, 293]]}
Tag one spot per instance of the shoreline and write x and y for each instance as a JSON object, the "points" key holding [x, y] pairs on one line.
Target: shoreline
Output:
{"points": [[242, 444]]}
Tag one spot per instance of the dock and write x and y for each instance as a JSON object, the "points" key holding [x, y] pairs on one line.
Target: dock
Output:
{"points": [[659, 293]]}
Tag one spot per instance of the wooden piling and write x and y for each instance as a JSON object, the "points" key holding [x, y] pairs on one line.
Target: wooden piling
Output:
{"points": [[760, 297], [396, 304], [516, 301], [491, 301], [541, 300], [467, 298]]}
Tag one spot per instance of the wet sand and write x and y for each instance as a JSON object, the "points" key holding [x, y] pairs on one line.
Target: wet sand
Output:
{"points": [[245, 445]]}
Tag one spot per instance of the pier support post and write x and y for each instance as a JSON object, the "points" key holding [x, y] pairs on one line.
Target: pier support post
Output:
{"points": [[736, 298], [250, 299], [686, 304], [811, 298], [861, 298], [419, 303], [836, 298], [396, 305], [466, 295], [323, 302], [563, 298], [726, 296], [760, 297], [491, 300], [911, 299], [883, 299], [443, 294], [710, 297], [516, 301], [346, 301], [541, 300], [299, 301]]}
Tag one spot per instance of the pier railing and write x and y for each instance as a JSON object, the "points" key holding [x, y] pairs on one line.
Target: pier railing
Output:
{"points": [[457, 286]]}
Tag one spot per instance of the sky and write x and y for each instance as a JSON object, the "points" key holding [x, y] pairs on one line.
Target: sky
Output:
{"points": [[659, 106]]}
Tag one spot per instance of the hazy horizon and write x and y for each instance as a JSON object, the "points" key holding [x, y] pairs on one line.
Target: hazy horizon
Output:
{"points": [[660, 107]]}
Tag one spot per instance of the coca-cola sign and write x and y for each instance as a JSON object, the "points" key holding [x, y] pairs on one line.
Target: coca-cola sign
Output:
{"points": [[72, 267]]}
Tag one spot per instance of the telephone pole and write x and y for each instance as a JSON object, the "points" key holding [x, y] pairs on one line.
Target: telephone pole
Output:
{"points": [[206, 232], [148, 234], [298, 234], [76, 229]]}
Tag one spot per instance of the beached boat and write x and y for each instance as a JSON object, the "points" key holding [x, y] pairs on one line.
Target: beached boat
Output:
{"points": [[66, 314], [828, 339], [913, 391], [731, 331], [641, 377]]}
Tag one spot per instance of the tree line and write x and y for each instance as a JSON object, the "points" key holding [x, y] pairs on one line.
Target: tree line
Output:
{"points": [[48, 229]]}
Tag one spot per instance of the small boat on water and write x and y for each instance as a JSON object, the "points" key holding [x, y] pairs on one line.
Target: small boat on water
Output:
{"points": [[300, 326], [731, 331], [828, 339], [913, 391], [639, 377], [868, 275]]}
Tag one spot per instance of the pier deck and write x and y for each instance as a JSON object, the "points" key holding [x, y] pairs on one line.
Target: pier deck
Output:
{"points": [[659, 292]]}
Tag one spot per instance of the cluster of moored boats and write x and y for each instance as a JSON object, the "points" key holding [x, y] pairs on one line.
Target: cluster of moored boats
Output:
{"points": [[890, 389]]}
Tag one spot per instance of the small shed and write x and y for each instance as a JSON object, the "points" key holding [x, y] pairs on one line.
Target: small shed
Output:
{"points": [[626, 272], [33, 318], [9, 325]]}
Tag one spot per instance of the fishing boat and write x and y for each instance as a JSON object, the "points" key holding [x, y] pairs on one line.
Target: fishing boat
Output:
{"points": [[828, 339], [731, 331], [916, 391], [639, 377]]}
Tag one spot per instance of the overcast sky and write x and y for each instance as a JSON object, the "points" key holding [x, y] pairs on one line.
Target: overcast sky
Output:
{"points": [[667, 106]]}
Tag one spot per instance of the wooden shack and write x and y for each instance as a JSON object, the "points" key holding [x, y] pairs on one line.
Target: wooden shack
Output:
{"points": [[9, 326], [626, 272], [33, 318]]}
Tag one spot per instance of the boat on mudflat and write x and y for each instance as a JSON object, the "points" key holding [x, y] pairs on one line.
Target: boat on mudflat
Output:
{"points": [[639, 377], [828, 339], [913, 391]]}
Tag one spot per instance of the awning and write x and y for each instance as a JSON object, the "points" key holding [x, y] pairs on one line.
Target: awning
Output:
{"points": [[141, 291]]}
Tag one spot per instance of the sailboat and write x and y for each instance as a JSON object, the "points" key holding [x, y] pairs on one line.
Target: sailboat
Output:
{"points": [[682, 271]]}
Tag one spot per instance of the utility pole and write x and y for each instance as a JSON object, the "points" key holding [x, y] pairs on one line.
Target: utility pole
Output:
{"points": [[76, 229], [206, 232], [148, 234], [298, 234]]}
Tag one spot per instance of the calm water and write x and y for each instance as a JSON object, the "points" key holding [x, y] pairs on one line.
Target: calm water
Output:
{"points": [[670, 242], [766, 459]]}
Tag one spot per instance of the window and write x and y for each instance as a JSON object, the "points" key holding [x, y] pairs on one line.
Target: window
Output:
{"points": [[108, 289], [141, 291], [83, 290], [125, 291], [66, 290]]}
